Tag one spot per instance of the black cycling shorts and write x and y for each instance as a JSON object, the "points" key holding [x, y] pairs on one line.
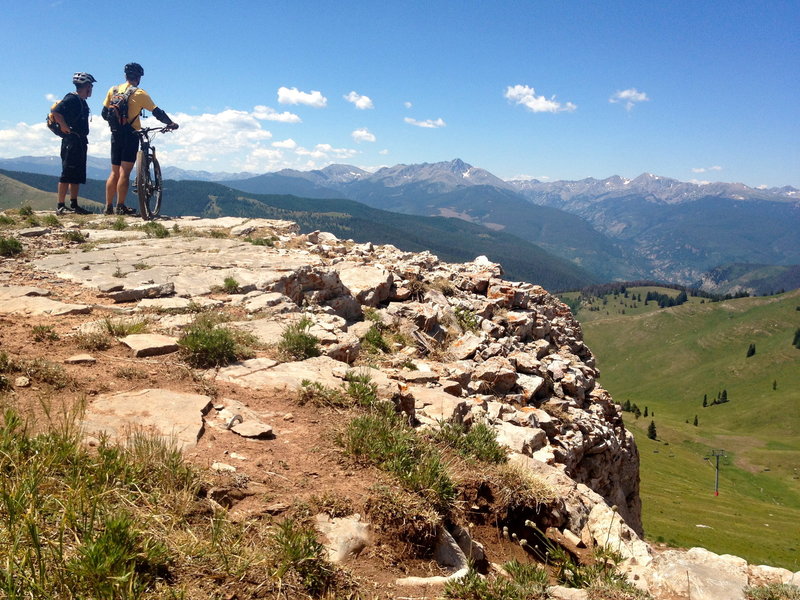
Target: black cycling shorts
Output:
{"points": [[124, 146], [73, 159]]}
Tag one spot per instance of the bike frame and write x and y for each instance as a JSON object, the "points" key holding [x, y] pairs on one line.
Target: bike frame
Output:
{"points": [[148, 182]]}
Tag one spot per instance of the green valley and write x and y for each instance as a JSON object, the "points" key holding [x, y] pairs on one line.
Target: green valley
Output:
{"points": [[668, 361]]}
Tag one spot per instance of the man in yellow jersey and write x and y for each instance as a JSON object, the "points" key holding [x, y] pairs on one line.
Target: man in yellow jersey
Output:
{"points": [[124, 139]]}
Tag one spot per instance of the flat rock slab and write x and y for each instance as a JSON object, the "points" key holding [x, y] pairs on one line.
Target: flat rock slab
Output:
{"points": [[37, 305], [263, 373], [152, 290], [174, 416], [253, 429], [150, 344], [268, 331], [7, 292], [195, 266], [164, 303], [81, 359]]}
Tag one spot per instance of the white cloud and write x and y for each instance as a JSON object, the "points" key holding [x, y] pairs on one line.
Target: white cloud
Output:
{"points": [[428, 124], [384, 152], [407, 104], [706, 169], [288, 144], [363, 135], [361, 102], [630, 97], [529, 178], [266, 113], [30, 140], [526, 96], [51, 97], [326, 152], [295, 96], [231, 140]]}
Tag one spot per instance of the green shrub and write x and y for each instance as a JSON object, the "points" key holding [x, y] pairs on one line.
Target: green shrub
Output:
{"points": [[205, 345], [9, 246], [297, 343], [361, 389], [230, 285], [44, 333], [26, 210], [122, 327], [155, 230], [527, 581], [479, 441], [403, 516], [6, 220], [44, 371], [73, 235], [51, 221], [321, 395], [69, 519], [95, 340], [773, 591], [383, 438], [357, 390], [475, 587], [375, 341], [270, 241], [119, 224], [467, 319], [300, 556]]}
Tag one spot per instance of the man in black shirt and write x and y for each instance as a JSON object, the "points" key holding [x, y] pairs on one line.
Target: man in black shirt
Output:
{"points": [[72, 115]]}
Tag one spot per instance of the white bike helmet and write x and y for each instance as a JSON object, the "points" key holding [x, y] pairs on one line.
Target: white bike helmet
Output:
{"points": [[81, 78]]}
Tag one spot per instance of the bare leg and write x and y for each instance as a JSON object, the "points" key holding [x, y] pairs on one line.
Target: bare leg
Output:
{"points": [[62, 191], [73, 190], [122, 184], [111, 185]]}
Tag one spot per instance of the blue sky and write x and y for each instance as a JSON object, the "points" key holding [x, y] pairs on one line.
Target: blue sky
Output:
{"points": [[546, 89]]}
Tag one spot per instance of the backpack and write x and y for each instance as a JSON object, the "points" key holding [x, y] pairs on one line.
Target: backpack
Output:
{"points": [[117, 110], [51, 123]]}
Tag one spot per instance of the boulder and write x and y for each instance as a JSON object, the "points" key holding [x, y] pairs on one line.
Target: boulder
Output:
{"points": [[697, 574], [496, 374], [465, 346]]}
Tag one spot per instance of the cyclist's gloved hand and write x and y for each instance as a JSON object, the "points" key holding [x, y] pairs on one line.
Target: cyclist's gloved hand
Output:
{"points": [[172, 126]]}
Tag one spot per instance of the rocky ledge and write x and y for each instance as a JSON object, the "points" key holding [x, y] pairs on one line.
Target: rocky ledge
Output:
{"points": [[477, 348]]}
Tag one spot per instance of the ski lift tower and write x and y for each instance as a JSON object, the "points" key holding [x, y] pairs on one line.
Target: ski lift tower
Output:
{"points": [[716, 454]]}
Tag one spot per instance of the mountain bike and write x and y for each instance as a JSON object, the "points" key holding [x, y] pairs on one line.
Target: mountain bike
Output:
{"points": [[148, 174]]}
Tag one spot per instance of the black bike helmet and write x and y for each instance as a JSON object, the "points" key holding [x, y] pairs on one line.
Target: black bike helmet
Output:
{"points": [[81, 78], [133, 70]]}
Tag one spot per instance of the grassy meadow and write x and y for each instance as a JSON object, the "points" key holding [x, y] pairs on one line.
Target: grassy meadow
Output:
{"points": [[667, 360]]}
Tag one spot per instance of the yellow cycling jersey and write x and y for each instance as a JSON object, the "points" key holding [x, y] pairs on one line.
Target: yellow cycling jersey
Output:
{"points": [[138, 101]]}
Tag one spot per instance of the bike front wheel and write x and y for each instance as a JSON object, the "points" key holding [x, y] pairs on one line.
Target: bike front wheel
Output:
{"points": [[148, 186]]}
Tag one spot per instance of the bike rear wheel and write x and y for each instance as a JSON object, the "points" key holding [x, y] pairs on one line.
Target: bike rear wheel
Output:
{"points": [[148, 185]]}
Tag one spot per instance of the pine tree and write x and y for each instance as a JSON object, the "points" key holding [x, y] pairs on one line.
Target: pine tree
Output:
{"points": [[723, 397], [796, 342], [751, 349], [774, 384], [651, 430], [695, 420], [645, 411], [705, 400]]}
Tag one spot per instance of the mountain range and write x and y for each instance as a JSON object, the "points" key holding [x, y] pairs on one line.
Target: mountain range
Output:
{"points": [[650, 227]]}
